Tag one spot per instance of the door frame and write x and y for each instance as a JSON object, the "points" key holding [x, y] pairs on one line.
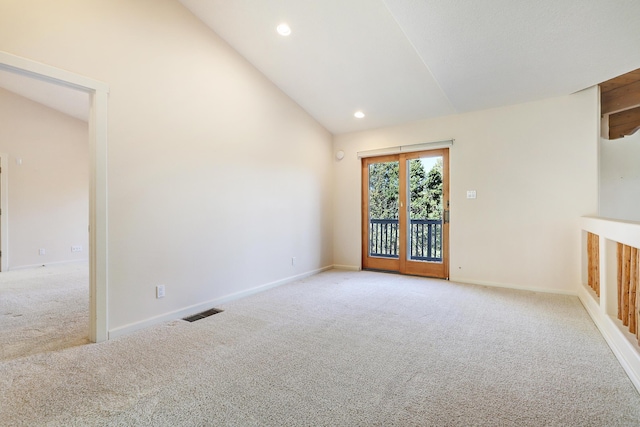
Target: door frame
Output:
{"points": [[4, 212], [98, 203], [403, 264]]}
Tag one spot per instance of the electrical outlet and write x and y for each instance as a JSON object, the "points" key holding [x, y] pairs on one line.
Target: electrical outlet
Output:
{"points": [[41, 251], [160, 291], [77, 248]]}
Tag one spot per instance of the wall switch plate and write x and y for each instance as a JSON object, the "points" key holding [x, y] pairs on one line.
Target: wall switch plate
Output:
{"points": [[293, 261], [471, 194], [41, 251], [160, 291], [76, 248]]}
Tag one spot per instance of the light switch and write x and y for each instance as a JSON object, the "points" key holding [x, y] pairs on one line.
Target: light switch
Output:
{"points": [[471, 194]]}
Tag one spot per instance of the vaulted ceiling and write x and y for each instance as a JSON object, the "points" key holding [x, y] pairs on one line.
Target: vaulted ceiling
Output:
{"points": [[404, 60]]}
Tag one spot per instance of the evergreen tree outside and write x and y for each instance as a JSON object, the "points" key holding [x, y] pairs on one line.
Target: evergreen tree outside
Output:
{"points": [[433, 191], [425, 190], [383, 190], [418, 203]]}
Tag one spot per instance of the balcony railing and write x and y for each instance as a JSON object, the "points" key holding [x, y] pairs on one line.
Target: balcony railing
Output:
{"points": [[384, 240], [425, 239]]}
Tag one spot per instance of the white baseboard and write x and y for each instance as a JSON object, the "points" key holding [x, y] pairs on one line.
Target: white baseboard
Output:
{"points": [[347, 267], [197, 308], [44, 264], [619, 341], [516, 287]]}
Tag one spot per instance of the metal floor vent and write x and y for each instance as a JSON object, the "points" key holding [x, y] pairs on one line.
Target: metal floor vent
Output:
{"points": [[202, 315]]}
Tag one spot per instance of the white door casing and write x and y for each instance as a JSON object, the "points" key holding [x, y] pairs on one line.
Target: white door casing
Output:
{"points": [[98, 221]]}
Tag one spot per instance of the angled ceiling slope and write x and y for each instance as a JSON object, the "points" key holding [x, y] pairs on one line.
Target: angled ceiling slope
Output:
{"points": [[63, 99], [405, 60]]}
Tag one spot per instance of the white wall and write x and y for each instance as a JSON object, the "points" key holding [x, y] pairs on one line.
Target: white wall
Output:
{"points": [[620, 178], [534, 167], [48, 204], [215, 177]]}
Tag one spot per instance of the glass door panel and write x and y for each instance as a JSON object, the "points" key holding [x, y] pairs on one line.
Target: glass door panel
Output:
{"points": [[425, 209], [424, 223], [381, 246], [383, 209]]}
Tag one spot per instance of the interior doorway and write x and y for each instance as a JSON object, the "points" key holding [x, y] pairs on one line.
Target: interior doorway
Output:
{"points": [[98, 93], [405, 213], [44, 303]]}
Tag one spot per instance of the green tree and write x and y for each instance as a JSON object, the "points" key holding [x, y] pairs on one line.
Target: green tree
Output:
{"points": [[419, 204], [425, 190], [434, 191], [383, 190]]}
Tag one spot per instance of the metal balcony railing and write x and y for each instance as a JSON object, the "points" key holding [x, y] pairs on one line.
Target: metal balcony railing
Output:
{"points": [[425, 239]]}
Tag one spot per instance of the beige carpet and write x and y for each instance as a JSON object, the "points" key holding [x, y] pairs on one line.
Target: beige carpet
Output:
{"points": [[43, 309], [339, 349]]}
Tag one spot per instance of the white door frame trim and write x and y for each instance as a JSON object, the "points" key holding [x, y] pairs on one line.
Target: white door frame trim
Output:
{"points": [[98, 260], [4, 215]]}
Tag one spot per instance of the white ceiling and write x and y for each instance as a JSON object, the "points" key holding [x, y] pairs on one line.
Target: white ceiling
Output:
{"points": [[405, 60]]}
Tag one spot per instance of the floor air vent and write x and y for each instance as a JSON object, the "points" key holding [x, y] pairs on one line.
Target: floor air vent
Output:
{"points": [[202, 315]]}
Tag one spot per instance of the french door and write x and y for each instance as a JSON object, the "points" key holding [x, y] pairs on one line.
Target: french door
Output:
{"points": [[405, 213]]}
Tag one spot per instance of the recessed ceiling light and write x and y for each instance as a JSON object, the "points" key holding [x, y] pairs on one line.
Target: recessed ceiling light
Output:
{"points": [[359, 115], [283, 29]]}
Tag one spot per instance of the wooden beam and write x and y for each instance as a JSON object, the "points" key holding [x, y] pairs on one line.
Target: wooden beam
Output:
{"points": [[636, 313], [594, 262], [626, 281], [632, 290], [625, 117], [590, 261], [620, 99], [624, 123], [619, 256], [622, 131], [623, 80]]}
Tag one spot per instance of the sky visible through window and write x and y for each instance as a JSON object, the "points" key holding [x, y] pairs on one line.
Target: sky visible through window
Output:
{"points": [[428, 162]]}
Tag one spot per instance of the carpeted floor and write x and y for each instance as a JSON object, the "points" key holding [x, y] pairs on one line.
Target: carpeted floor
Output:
{"points": [[339, 349], [43, 309]]}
